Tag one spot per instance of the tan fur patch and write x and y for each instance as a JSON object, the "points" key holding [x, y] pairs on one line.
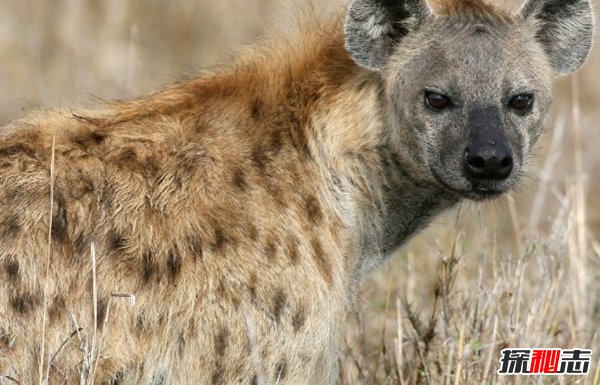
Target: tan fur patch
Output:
{"points": [[468, 7]]}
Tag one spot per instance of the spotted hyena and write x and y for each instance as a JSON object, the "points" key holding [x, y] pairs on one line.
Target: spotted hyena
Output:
{"points": [[242, 208]]}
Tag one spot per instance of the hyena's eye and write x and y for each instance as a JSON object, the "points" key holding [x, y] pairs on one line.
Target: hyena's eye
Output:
{"points": [[522, 102], [436, 101]]}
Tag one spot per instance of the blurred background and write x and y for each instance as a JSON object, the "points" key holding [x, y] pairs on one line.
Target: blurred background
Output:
{"points": [[536, 250]]}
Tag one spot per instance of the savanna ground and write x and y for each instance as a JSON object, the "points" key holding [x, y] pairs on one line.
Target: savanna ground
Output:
{"points": [[523, 271]]}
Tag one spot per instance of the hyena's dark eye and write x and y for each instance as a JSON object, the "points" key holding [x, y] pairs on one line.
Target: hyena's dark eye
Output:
{"points": [[522, 102], [436, 101]]}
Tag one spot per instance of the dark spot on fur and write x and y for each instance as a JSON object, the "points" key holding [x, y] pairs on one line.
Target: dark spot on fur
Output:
{"points": [[177, 181], [217, 375], [292, 250], [313, 209], [281, 371], [257, 108], [254, 380], [17, 149], [97, 137], [57, 308], [23, 303], [299, 318], [279, 302], [276, 142], [181, 343], [174, 264], [265, 351], [116, 241], [82, 186], [11, 226], [152, 165], [148, 166], [149, 266], [13, 271], [221, 341], [253, 231], [261, 158], [252, 282], [322, 262], [221, 289], [141, 325], [102, 312], [128, 157], [480, 29], [236, 301], [271, 248], [59, 219], [239, 179], [192, 332], [89, 139], [6, 340], [220, 240]]}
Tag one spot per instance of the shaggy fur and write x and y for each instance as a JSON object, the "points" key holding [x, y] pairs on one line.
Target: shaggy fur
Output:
{"points": [[241, 208]]}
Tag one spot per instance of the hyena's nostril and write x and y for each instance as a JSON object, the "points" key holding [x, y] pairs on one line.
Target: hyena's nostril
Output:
{"points": [[488, 162]]}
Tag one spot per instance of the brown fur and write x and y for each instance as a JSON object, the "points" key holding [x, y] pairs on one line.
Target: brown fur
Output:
{"points": [[241, 208], [468, 7], [184, 194]]}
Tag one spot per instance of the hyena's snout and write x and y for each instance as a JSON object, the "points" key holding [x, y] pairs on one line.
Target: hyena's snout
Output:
{"points": [[488, 155], [488, 159]]}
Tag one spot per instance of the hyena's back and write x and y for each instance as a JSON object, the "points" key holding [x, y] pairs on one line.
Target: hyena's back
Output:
{"points": [[204, 202]]}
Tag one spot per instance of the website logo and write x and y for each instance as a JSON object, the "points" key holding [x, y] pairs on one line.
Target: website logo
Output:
{"points": [[551, 362]]}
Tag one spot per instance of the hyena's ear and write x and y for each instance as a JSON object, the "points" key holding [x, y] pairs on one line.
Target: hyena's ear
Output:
{"points": [[373, 27], [564, 28]]}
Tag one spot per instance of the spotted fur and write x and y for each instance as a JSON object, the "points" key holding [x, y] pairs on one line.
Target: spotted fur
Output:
{"points": [[242, 207]]}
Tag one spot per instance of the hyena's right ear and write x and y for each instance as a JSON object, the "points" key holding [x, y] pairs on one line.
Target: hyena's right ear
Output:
{"points": [[373, 28]]}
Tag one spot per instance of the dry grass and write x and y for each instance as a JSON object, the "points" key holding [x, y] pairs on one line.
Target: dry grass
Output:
{"points": [[520, 272], [482, 299]]}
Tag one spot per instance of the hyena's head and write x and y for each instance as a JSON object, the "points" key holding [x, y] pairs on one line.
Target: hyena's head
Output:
{"points": [[468, 85]]}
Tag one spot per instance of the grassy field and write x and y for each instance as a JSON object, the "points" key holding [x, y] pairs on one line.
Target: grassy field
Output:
{"points": [[520, 272]]}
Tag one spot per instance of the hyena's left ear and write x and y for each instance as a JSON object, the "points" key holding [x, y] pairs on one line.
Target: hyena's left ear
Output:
{"points": [[564, 28], [374, 27]]}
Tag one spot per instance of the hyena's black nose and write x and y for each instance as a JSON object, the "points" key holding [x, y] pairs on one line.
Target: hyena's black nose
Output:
{"points": [[488, 162]]}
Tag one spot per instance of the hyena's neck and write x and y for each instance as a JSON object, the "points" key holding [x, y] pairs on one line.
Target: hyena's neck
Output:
{"points": [[381, 198], [402, 205], [384, 205]]}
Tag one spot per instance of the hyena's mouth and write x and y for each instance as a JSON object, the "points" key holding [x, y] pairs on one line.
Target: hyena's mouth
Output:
{"points": [[480, 191], [482, 194]]}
